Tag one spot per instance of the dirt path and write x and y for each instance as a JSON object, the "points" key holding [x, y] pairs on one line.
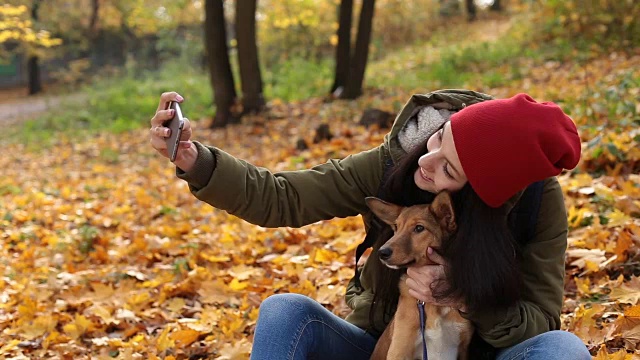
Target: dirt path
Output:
{"points": [[26, 108]]}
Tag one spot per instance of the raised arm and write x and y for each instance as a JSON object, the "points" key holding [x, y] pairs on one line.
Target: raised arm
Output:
{"points": [[336, 188]]}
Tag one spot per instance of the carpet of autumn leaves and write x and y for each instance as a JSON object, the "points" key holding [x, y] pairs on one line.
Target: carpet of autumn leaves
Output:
{"points": [[105, 254]]}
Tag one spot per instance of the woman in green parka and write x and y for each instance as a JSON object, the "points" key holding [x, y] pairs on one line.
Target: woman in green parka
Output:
{"points": [[484, 151]]}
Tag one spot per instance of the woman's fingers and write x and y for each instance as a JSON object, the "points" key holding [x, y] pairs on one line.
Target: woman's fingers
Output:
{"points": [[417, 290], [426, 274], [420, 279], [422, 296], [186, 131], [161, 117], [160, 131], [157, 142], [419, 276], [168, 97], [435, 257]]}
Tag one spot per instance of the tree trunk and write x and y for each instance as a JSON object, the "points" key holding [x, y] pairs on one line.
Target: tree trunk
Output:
{"points": [[219, 67], [471, 10], [92, 33], [33, 69], [252, 97], [343, 50], [496, 6], [361, 53], [93, 21], [35, 83]]}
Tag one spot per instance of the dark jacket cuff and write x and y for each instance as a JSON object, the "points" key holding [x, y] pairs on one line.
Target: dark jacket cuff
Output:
{"points": [[200, 174]]}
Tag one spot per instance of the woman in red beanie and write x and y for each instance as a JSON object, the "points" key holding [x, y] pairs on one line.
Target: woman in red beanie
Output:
{"points": [[503, 275]]}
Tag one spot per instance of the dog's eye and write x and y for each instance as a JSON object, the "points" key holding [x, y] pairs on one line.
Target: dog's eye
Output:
{"points": [[419, 228]]}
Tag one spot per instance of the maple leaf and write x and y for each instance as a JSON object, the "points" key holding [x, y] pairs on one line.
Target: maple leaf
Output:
{"points": [[617, 218], [603, 354], [624, 244], [322, 256], [36, 328], [583, 285], [124, 314], [633, 312], [164, 341], [77, 328], [213, 292], [236, 285], [176, 304], [184, 338], [53, 338], [632, 338], [585, 325], [243, 272], [102, 312], [329, 294], [628, 292], [9, 346], [237, 351], [587, 258], [27, 309]]}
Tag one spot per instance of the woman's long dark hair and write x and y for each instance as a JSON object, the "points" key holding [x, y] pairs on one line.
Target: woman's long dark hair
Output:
{"points": [[482, 256]]}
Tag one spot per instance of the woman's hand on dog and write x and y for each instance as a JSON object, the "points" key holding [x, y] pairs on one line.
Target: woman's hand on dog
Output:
{"points": [[421, 278]]}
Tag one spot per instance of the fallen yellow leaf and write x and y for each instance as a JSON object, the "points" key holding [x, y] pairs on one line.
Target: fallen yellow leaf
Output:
{"points": [[184, 338], [164, 341], [238, 285]]}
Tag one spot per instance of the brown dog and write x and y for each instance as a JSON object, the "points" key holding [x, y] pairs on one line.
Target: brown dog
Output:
{"points": [[416, 228]]}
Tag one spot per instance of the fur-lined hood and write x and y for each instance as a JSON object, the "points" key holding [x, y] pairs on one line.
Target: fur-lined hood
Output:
{"points": [[416, 123]]}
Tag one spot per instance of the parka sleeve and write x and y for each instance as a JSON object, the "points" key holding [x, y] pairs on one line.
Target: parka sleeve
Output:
{"points": [[543, 274], [336, 188]]}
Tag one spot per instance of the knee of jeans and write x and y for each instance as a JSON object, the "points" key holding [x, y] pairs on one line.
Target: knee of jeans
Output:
{"points": [[285, 308], [569, 343]]}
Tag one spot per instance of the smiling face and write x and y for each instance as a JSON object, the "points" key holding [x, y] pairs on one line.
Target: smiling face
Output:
{"points": [[440, 169]]}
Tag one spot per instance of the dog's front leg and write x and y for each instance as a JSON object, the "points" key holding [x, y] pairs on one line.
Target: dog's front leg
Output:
{"points": [[382, 346], [407, 326], [466, 334]]}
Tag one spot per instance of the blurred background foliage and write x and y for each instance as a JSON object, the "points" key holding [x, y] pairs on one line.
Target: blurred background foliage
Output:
{"points": [[147, 34], [122, 53]]}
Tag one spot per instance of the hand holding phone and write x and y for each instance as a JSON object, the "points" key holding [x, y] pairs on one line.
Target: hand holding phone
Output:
{"points": [[176, 124]]}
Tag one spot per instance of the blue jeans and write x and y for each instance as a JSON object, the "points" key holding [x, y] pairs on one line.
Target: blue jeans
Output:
{"points": [[292, 326], [557, 345]]}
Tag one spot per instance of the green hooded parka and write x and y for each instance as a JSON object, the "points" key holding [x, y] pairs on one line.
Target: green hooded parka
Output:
{"points": [[338, 188]]}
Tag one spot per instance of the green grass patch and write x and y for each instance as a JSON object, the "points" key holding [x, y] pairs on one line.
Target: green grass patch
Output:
{"points": [[117, 105], [297, 79], [128, 101], [452, 65]]}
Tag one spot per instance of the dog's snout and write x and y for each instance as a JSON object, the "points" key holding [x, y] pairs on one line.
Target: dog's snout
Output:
{"points": [[385, 253]]}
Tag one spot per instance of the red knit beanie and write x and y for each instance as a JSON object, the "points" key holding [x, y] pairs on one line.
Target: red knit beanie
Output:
{"points": [[505, 145]]}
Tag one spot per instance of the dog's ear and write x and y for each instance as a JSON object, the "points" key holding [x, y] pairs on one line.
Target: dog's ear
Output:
{"points": [[387, 212], [442, 208]]}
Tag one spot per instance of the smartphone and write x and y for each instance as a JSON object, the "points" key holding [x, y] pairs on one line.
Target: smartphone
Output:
{"points": [[175, 124]]}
